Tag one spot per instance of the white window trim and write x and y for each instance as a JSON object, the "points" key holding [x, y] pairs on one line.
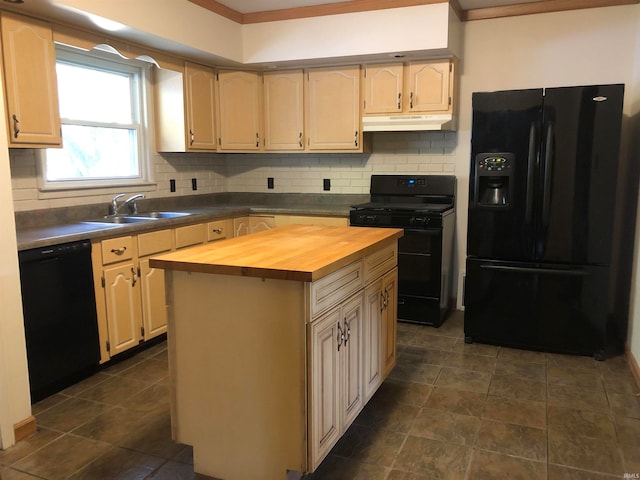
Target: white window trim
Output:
{"points": [[57, 189]]}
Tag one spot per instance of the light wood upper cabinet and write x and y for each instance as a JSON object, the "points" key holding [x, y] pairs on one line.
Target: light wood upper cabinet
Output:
{"points": [[333, 109], [383, 85], [283, 110], [30, 77], [429, 86], [200, 112], [184, 109], [416, 87], [240, 111]]}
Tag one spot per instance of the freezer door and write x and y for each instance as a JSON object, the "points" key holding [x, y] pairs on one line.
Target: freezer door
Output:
{"points": [[557, 308], [506, 131], [577, 187]]}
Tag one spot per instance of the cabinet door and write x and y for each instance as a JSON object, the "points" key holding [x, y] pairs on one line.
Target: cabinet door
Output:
{"points": [[239, 101], [240, 226], [429, 86], [283, 111], [351, 395], [154, 311], [30, 79], [325, 428], [200, 98], [124, 314], [333, 109], [260, 223], [372, 338], [383, 88], [390, 321]]}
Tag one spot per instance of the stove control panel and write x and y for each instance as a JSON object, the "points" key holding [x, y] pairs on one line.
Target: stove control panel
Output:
{"points": [[412, 182]]}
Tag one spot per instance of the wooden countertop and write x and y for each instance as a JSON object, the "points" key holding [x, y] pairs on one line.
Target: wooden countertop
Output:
{"points": [[294, 252]]}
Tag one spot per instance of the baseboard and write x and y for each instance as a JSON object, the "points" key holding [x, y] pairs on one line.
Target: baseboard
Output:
{"points": [[23, 429], [633, 364]]}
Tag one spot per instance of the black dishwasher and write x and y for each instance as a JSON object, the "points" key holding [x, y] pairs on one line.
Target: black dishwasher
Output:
{"points": [[59, 308]]}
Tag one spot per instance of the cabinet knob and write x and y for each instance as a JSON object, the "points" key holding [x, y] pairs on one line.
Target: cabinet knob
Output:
{"points": [[191, 137], [356, 138], [399, 100], [411, 100], [217, 231], [119, 251]]}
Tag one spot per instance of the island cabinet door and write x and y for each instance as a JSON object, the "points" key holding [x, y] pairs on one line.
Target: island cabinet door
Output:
{"points": [[336, 395], [389, 320], [372, 337], [351, 395], [325, 334]]}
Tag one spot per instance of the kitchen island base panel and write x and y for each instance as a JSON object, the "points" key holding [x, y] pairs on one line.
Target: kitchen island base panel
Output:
{"points": [[237, 354]]}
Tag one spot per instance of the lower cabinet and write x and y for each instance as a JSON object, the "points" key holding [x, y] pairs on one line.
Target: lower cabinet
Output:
{"points": [[336, 390], [352, 346], [130, 295], [123, 307]]}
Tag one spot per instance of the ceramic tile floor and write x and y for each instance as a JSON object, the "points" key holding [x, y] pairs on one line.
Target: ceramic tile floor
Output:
{"points": [[447, 411]]}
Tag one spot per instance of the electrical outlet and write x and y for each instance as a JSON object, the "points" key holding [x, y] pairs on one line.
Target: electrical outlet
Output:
{"points": [[326, 184], [194, 184], [172, 185], [270, 183]]}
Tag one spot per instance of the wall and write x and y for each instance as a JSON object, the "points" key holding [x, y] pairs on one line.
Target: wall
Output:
{"points": [[14, 380]]}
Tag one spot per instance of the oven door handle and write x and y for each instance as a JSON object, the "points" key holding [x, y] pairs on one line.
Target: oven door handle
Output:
{"points": [[544, 271]]}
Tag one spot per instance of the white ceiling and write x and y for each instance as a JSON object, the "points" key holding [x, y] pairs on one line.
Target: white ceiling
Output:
{"points": [[252, 6]]}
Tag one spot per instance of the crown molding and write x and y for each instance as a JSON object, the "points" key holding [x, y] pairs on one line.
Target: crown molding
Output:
{"points": [[354, 6]]}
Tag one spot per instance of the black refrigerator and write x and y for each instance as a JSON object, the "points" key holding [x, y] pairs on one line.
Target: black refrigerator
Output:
{"points": [[542, 196]]}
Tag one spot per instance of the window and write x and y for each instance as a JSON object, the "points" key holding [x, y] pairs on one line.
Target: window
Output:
{"points": [[101, 108]]}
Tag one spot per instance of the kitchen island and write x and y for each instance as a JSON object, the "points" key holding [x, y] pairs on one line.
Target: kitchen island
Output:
{"points": [[276, 342]]}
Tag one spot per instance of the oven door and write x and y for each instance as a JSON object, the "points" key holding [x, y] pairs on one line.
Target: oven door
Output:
{"points": [[420, 276]]}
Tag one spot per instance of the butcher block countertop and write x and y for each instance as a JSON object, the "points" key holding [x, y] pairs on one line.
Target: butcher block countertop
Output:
{"points": [[302, 253]]}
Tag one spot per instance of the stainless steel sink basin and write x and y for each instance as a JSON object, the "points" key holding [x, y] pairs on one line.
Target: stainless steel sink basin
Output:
{"points": [[160, 214], [137, 218], [122, 219]]}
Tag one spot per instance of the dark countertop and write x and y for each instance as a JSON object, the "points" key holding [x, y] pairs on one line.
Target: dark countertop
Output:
{"points": [[53, 226]]}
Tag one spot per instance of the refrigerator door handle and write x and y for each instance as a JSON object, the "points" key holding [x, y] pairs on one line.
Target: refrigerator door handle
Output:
{"points": [[548, 168], [530, 170], [544, 271]]}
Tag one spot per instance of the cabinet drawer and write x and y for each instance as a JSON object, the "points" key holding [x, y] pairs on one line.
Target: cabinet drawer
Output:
{"points": [[330, 290], [189, 235], [380, 262], [117, 249], [219, 230], [154, 242]]}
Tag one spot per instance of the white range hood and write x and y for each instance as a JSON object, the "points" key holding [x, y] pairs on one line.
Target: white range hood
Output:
{"points": [[408, 123]]}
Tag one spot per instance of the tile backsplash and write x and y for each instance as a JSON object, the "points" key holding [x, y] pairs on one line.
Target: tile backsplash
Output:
{"points": [[391, 153]]}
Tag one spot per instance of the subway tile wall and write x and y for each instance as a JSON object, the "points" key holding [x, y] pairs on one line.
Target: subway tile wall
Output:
{"points": [[391, 153]]}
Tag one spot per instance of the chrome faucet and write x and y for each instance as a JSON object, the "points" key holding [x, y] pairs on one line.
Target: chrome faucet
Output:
{"points": [[114, 207], [131, 203]]}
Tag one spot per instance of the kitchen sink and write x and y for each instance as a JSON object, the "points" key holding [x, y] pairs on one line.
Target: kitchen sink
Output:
{"points": [[137, 218], [160, 214], [122, 219]]}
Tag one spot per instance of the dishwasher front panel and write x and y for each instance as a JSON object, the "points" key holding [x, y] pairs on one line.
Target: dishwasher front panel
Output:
{"points": [[59, 308]]}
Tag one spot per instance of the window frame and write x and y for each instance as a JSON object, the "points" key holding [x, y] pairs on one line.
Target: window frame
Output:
{"points": [[104, 59]]}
